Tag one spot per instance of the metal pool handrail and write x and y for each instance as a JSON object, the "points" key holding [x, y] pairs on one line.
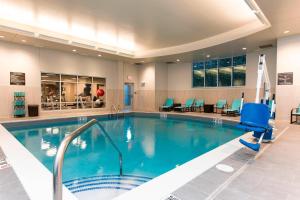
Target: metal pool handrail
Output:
{"points": [[59, 159], [116, 109]]}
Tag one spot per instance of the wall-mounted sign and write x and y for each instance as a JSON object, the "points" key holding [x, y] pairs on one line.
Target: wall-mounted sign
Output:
{"points": [[129, 78], [285, 78], [17, 78]]}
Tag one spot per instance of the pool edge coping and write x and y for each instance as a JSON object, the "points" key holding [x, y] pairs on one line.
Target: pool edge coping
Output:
{"points": [[32, 174]]}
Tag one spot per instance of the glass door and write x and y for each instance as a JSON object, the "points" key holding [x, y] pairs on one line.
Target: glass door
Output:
{"points": [[128, 96]]}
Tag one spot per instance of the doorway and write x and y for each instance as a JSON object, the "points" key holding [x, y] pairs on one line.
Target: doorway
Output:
{"points": [[128, 96]]}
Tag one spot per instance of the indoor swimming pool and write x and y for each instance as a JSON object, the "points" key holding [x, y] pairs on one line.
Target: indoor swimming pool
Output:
{"points": [[150, 144]]}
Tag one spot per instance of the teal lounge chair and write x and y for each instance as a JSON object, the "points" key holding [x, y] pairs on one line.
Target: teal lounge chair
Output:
{"points": [[220, 105], [235, 108], [187, 106], [168, 105], [199, 104], [295, 112]]}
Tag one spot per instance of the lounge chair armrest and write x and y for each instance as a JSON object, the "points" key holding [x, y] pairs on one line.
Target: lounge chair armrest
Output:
{"points": [[293, 110]]}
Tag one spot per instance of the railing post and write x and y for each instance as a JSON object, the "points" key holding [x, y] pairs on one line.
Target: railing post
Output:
{"points": [[121, 164], [59, 158]]}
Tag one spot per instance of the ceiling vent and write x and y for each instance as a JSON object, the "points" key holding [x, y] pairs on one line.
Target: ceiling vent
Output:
{"points": [[107, 51], [17, 31], [53, 39], [170, 62], [125, 54], [266, 46], [86, 46]]}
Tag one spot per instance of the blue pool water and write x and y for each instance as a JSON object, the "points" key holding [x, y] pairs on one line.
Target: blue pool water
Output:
{"points": [[150, 146]]}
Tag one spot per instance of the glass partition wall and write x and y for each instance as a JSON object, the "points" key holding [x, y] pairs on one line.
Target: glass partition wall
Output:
{"points": [[68, 92], [211, 73], [62, 92], [225, 71], [50, 91]]}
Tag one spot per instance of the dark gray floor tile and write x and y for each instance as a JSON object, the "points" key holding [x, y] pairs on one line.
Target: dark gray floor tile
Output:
{"points": [[189, 192]]}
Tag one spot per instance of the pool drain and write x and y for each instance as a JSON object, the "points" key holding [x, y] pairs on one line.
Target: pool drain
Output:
{"points": [[225, 168], [172, 197]]}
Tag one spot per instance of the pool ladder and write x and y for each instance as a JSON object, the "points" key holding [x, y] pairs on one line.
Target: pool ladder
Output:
{"points": [[59, 159], [115, 110]]}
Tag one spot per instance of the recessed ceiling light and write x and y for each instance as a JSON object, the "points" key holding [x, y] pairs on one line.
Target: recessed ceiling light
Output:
{"points": [[23, 40], [142, 61], [74, 50], [1, 36], [207, 56], [99, 55], [286, 32], [244, 48], [178, 60]]}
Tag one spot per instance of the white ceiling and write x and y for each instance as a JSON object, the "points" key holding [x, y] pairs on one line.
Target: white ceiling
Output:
{"points": [[157, 24], [162, 30], [283, 16], [139, 26]]}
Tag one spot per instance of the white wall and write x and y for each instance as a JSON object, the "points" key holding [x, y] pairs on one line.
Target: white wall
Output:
{"points": [[19, 58], [69, 63], [146, 92], [180, 76], [32, 61], [288, 56], [161, 84], [146, 74], [252, 63], [161, 76]]}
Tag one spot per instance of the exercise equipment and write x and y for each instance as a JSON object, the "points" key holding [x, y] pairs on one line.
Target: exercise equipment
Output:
{"points": [[255, 116], [100, 92]]}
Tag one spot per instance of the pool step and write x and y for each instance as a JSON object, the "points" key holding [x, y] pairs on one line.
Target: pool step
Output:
{"points": [[115, 182]]}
